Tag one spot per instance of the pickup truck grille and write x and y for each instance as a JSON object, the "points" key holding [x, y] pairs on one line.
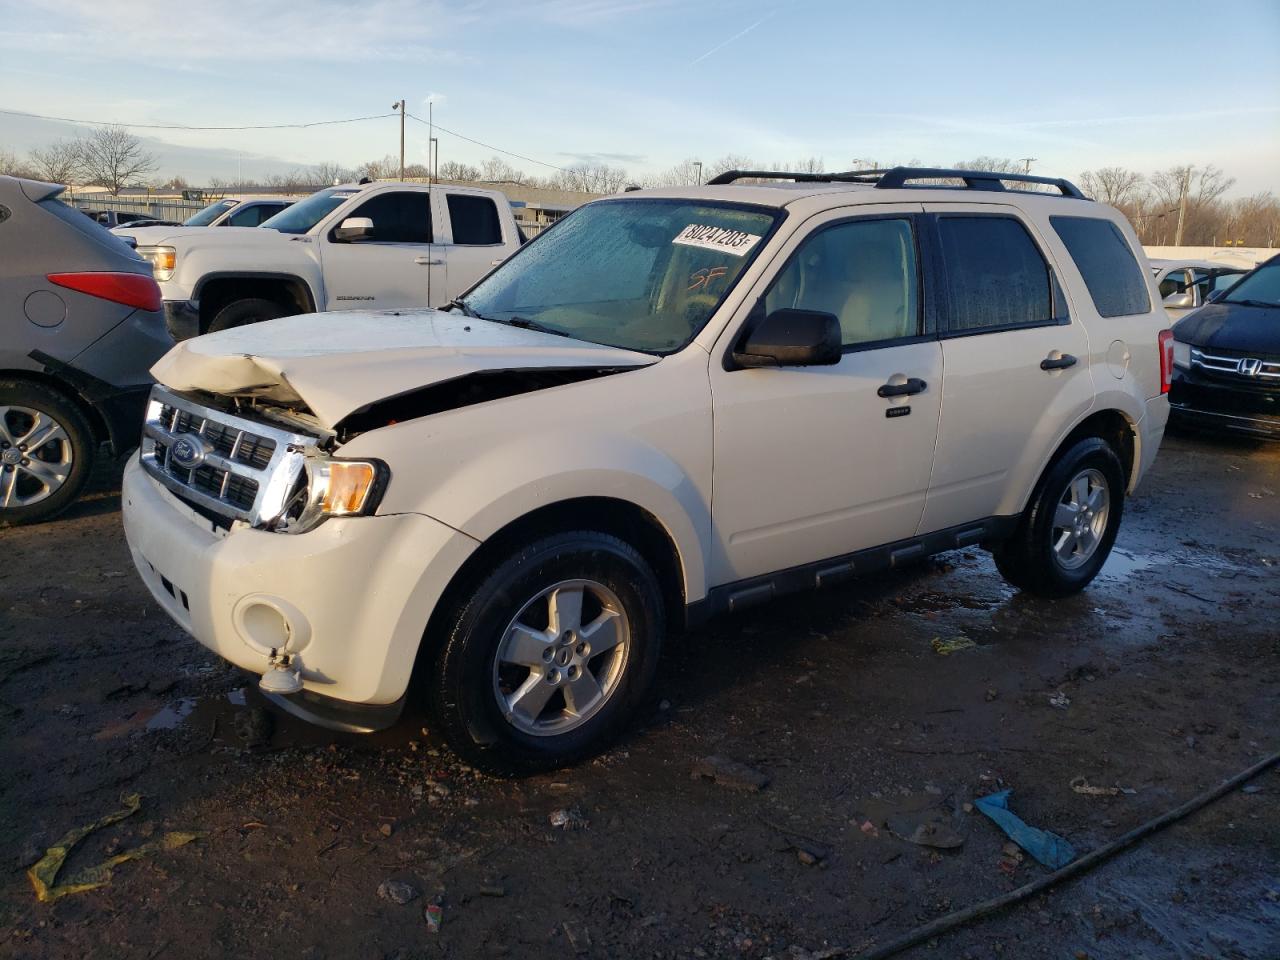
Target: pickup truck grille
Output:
{"points": [[239, 469]]}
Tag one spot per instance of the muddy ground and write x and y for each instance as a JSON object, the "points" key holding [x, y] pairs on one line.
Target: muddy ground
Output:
{"points": [[1165, 675]]}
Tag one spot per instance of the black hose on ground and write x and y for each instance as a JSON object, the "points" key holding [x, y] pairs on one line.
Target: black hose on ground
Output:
{"points": [[1087, 862]]}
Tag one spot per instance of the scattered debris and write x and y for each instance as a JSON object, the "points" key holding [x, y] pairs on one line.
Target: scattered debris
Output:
{"points": [[579, 936], [730, 773], [1048, 848], [492, 890], [44, 874], [434, 915], [385, 829], [1060, 700], [1081, 785], [398, 891], [945, 648], [1011, 858], [569, 818], [870, 829], [992, 694], [929, 828]]}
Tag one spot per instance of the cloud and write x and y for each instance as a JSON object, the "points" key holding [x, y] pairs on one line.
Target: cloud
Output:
{"points": [[605, 158], [435, 98], [317, 31]]}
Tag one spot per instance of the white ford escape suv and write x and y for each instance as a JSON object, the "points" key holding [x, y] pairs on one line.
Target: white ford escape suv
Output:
{"points": [[673, 403]]}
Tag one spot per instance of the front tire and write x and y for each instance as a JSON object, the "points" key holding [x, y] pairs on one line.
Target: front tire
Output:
{"points": [[1067, 532], [240, 313], [549, 656], [46, 452]]}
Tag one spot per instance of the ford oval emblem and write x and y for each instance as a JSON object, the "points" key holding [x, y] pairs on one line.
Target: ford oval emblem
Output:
{"points": [[187, 452]]}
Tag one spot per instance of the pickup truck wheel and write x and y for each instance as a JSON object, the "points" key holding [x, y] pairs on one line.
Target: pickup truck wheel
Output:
{"points": [[46, 452], [239, 313], [550, 654], [1066, 534]]}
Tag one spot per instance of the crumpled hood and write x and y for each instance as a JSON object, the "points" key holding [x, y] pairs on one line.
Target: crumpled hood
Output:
{"points": [[338, 363]]}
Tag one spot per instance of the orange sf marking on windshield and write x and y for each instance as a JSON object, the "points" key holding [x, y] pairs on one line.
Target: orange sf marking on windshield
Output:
{"points": [[702, 279]]}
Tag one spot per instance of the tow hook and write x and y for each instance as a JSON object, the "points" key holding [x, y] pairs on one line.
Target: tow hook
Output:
{"points": [[282, 677]]}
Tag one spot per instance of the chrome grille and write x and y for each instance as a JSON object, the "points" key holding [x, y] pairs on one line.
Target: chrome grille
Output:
{"points": [[1251, 368], [239, 468]]}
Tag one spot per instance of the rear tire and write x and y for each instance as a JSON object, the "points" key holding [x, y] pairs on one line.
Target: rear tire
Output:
{"points": [[240, 313], [1067, 531], [46, 477], [548, 656]]}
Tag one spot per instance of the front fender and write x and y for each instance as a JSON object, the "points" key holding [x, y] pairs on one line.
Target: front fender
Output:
{"points": [[200, 260]]}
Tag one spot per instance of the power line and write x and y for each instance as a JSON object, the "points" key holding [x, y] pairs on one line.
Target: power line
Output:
{"points": [[489, 146], [183, 126]]}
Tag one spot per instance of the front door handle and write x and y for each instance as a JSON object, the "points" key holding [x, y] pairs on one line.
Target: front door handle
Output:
{"points": [[1057, 361], [904, 389], [427, 261]]}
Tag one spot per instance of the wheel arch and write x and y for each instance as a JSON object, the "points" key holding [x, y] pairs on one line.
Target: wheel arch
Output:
{"points": [[623, 519], [97, 423], [1111, 424], [215, 290]]}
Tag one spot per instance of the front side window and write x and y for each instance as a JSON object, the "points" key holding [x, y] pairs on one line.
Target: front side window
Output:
{"points": [[1106, 263], [642, 274], [995, 275], [863, 271], [397, 217], [475, 220], [252, 215]]}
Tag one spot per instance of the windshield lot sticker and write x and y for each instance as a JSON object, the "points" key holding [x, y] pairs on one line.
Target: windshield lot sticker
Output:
{"points": [[720, 239]]}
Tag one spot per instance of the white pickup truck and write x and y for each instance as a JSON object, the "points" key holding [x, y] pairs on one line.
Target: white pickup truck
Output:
{"points": [[372, 245]]}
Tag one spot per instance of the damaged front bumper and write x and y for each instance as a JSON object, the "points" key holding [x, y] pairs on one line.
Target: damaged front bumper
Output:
{"points": [[348, 601]]}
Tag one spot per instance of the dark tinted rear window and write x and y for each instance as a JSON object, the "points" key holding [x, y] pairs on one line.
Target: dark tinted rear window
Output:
{"points": [[996, 276], [1107, 264], [77, 221], [474, 219]]}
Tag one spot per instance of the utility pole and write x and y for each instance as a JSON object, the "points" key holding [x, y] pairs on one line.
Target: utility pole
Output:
{"points": [[1027, 162], [399, 105], [1182, 206], [698, 164]]}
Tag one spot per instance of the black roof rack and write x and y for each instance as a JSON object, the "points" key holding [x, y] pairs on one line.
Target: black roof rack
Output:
{"points": [[898, 179]]}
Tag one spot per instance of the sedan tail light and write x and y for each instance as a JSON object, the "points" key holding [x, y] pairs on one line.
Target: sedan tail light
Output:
{"points": [[131, 289], [1166, 360]]}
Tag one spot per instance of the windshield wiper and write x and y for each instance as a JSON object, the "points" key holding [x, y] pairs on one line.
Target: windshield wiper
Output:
{"points": [[526, 324], [1253, 303], [465, 308]]}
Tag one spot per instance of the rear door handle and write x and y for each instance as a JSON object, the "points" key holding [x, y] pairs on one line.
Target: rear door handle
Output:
{"points": [[1059, 362], [911, 386], [427, 261]]}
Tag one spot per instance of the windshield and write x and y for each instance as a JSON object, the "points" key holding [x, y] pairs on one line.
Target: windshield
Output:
{"points": [[641, 274], [305, 214], [209, 214], [1261, 286]]}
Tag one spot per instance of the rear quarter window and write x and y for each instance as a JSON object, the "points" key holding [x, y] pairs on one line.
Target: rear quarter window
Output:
{"points": [[475, 220], [1106, 263], [81, 224]]}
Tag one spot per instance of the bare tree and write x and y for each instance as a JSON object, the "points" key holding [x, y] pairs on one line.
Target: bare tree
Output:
{"points": [[328, 173], [730, 161], [113, 157], [497, 170], [292, 181], [59, 162], [991, 164], [683, 173], [1114, 185], [453, 170], [591, 178], [11, 166], [388, 166]]}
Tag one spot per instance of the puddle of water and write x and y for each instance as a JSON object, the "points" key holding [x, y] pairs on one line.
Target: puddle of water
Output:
{"points": [[170, 716], [1123, 564]]}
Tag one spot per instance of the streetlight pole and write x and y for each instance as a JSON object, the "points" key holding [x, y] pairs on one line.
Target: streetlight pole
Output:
{"points": [[399, 105], [1027, 162], [698, 164]]}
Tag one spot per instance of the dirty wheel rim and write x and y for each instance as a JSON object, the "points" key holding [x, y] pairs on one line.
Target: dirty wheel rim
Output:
{"points": [[35, 456], [1080, 519], [562, 657]]}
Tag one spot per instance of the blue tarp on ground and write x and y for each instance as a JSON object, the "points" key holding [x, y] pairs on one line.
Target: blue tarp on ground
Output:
{"points": [[1049, 848]]}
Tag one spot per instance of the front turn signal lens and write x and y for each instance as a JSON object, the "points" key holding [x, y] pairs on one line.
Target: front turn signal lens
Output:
{"points": [[348, 487], [334, 488]]}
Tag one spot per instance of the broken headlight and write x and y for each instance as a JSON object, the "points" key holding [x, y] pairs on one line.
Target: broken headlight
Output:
{"points": [[330, 487]]}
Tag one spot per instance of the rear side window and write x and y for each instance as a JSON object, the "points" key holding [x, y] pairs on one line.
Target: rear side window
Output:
{"points": [[995, 275], [78, 222], [397, 217], [475, 220], [1107, 264]]}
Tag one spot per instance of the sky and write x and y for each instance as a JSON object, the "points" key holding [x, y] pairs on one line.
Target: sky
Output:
{"points": [[645, 84]]}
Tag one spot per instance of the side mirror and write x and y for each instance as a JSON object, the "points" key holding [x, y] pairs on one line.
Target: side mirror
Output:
{"points": [[353, 228], [791, 338], [1180, 300]]}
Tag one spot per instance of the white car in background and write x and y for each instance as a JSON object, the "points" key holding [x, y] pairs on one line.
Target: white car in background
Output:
{"points": [[1187, 285], [238, 211]]}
